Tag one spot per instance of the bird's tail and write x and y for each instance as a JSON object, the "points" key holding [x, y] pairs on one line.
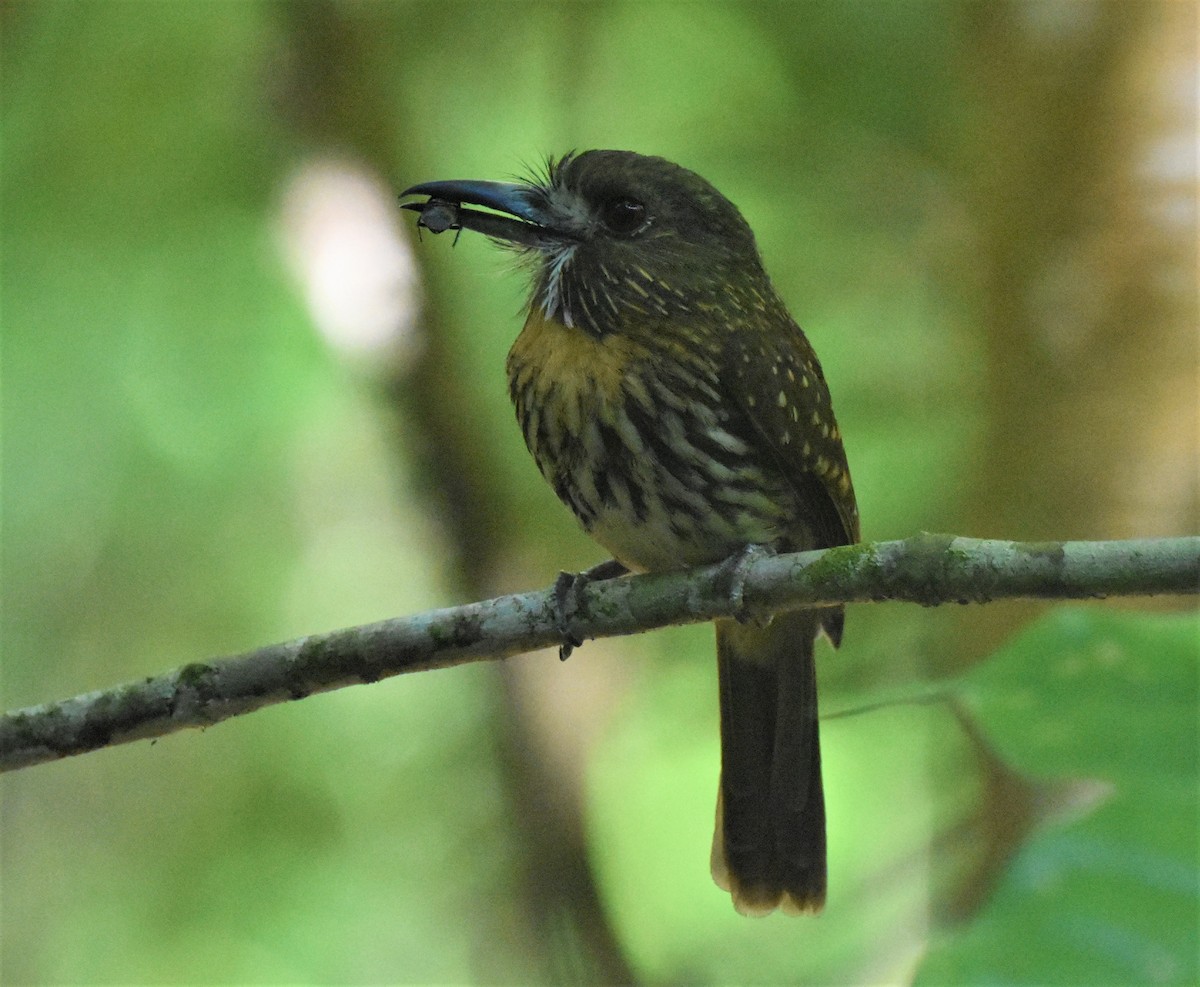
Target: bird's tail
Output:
{"points": [[769, 845]]}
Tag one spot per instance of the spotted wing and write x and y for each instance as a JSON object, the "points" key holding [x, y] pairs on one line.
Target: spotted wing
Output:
{"points": [[776, 381]]}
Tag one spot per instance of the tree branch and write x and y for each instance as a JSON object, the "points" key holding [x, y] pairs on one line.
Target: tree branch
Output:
{"points": [[925, 569]]}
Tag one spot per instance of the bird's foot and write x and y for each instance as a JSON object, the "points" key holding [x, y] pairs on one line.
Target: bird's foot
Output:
{"points": [[734, 570], [568, 588]]}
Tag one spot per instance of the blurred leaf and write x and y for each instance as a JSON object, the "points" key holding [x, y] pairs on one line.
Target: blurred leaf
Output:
{"points": [[948, 796], [1111, 897]]}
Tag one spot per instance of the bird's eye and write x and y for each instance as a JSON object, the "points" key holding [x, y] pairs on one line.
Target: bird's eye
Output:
{"points": [[623, 215]]}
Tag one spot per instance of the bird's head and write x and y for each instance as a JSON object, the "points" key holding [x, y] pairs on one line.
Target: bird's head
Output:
{"points": [[615, 239]]}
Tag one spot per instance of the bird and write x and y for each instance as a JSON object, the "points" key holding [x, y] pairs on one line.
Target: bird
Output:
{"points": [[676, 407]]}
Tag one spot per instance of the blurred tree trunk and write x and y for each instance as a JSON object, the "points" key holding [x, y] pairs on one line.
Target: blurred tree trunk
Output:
{"points": [[1082, 196], [1085, 218], [1080, 200], [333, 95]]}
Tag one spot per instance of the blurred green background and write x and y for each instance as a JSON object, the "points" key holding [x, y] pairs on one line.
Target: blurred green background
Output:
{"points": [[242, 403]]}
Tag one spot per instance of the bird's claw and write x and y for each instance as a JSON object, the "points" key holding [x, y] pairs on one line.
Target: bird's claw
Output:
{"points": [[734, 569], [568, 588], [566, 605]]}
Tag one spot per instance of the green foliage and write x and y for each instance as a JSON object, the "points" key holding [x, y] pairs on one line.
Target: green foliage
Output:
{"points": [[189, 473], [1114, 896], [1094, 715], [189, 470]]}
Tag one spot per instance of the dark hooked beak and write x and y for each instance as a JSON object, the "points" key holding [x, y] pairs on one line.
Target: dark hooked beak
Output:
{"points": [[443, 210]]}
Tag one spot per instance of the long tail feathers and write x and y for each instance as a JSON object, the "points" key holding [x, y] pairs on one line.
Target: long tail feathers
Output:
{"points": [[769, 845]]}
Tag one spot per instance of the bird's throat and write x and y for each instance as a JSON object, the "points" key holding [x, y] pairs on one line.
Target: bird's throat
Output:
{"points": [[568, 367]]}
